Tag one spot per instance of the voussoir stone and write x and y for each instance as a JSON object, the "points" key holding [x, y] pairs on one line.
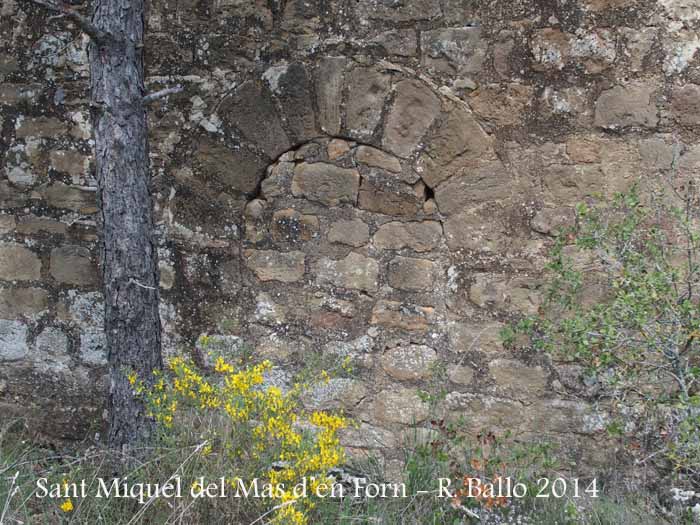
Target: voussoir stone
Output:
{"points": [[418, 236], [410, 362], [412, 275], [354, 271], [18, 263], [329, 92], [367, 90], [414, 110], [326, 183], [269, 265], [73, 265]]}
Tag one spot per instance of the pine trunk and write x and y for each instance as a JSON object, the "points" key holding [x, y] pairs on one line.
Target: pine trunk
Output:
{"points": [[128, 248]]}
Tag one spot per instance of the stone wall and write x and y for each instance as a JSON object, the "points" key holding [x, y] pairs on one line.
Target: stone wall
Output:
{"points": [[372, 179]]}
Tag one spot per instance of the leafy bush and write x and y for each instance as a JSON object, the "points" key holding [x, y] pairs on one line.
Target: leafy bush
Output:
{"points": [[624, 301]]}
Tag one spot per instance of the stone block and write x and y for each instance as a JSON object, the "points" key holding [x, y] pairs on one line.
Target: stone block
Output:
{"points": [[418, 236], [632, 105], [413, 112], [18, 263], [403, 316], [269, 265], [13, 340], [354, 232], [21, 302], [355, 271], [329, 92], [367, 90], [412, 275], [399, 405], [326, 183], [73, 265], [454, 50], [409, 363]]}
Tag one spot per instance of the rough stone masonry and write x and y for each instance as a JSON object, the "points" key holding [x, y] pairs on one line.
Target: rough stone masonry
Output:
{"points": [[372, 179]]}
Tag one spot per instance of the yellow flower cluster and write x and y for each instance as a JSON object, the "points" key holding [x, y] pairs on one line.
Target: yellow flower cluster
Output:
{"points": [[269, 427]]}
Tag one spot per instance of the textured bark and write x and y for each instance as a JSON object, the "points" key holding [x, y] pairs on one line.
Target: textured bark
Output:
{"points": [[129, 253]]}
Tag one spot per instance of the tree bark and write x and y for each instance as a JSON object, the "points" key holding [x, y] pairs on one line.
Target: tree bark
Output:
{"points": [[128, 248]]}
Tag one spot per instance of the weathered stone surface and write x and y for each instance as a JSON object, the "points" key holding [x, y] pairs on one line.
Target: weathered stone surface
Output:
{"points": [[412, 275], [460, 374], [355, 271], [519, 294], [93, 347], [367, 436], [399, 42], [71, 162], [337, 393], [624, 106], [50, 351], [411, 317], [550, 49], [269, 265], [239, 170], [407, 11], [12, 94], [478, 230], [252, 110], [60, 195], [572, 183], [377, 159], [40, 127], [399, 405], [390, 197], [326, 183], [488, 182], [11, 197], [550, 220], [685, 104], [294, 88], [20, 302], [454, 50], [31, 225], [291, 226], [7, 223], [502, 105], [410, 362], [18, 263], [418, 236], [458, 143], [367, 90], [514, 377], [13, 340], [414, 110], [73, 265], [353, 233], [329, 92], [337, 148], [474, 336]]}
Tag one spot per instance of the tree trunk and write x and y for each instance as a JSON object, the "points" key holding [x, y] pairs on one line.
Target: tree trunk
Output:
{"points": [[128, 248]]}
